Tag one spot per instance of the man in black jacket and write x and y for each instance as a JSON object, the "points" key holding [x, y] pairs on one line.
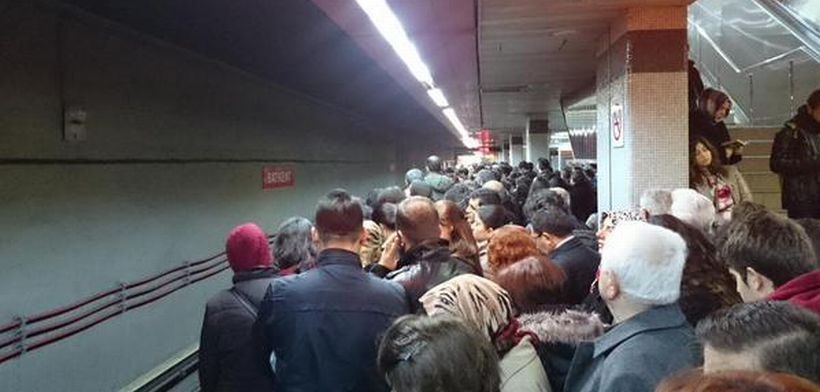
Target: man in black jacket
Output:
{"points": [[552, 229], [415, 257], [323, 325], [226, 355], [796, 158]]}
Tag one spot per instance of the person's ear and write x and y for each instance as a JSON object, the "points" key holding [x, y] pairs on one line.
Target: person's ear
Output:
{"points": [[757, 281], [363, 237], [608, 286], [314, 235]]}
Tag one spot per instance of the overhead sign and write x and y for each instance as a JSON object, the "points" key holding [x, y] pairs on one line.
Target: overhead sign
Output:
{"points": [[278, 177], [617, 127]]}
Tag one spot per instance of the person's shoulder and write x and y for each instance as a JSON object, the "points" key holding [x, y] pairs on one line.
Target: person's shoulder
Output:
{"points": [[731, 171], [656, 343], [218, 301]]}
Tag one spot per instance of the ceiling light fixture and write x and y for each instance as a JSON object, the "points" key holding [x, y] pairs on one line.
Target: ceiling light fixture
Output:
{"points": [[438, 97], [392, 30]]}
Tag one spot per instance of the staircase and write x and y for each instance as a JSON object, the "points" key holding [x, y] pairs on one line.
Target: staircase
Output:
{"points": [[764, 184]]}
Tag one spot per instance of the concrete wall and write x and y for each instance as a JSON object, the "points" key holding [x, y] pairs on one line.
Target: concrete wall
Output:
{"points": [[69, 230]]}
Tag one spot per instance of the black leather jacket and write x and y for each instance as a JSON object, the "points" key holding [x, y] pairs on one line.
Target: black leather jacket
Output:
{"points": [[425, 266], [796, 158]]}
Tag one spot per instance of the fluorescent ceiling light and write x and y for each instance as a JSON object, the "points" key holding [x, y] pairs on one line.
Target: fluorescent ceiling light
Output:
{"points": [[470, 142], [438, 97], [391, 29], [451, 115]]}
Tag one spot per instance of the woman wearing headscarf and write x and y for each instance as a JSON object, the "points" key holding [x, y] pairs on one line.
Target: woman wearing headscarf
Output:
{"points": [[707, 121], [226, 345], [488, 308]]}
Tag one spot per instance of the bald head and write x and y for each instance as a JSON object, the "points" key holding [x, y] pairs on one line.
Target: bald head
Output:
{"points": [[417, 220]]}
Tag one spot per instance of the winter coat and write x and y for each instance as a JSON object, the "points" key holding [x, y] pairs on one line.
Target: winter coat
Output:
{"points": [[700, 125], [521, 370], [635, 355], [226, 354], [580, 264], [425, 266], [324, 325], [803, 291], [796, 158], [559, 333], [735, 180]]}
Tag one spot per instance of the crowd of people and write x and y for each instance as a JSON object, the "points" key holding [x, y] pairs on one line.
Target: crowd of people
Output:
{"points": [[500, 278]]}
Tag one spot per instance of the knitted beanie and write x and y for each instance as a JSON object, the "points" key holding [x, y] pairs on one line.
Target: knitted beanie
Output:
{"points": [[247, 248]]}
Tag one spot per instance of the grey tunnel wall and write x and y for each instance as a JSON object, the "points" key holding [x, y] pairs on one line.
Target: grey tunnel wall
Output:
{"points": [[70, 230]]}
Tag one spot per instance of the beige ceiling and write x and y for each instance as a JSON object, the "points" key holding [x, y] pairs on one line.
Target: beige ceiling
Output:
{"points": [[498, 61]]}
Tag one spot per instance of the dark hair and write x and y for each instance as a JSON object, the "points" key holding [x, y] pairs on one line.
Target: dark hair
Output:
{"points": [[541, 181], [706, 285], [462, 242], [493, 216], [293, 244], [711, 100], [812, 228], [437, 354], [553, 221], [338, 216], [814, 99], [434, 163], [775, 246], [458, 193], [557, 180], [695, 380], [486, 197], [484, 175], [715, 168], [391, 194], [784, 337], [544, 164], [542, 199], [420, 188], [385, 215], [531, 282], [417, 219], [413, 175]]}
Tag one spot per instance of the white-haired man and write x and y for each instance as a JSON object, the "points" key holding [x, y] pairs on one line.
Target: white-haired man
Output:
{"points": [[640, 275], [656, 202], [693, 208]]}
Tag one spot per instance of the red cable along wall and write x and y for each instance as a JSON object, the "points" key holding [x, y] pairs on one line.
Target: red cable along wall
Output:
{"points": [[36, 331]]}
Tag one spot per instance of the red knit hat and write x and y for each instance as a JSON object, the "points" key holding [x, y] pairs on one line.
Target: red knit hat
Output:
{"points": [[247, 248]]}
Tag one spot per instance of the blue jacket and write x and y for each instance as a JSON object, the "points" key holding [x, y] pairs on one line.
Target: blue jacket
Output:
{"points": [[635, 355], [324, 325]]}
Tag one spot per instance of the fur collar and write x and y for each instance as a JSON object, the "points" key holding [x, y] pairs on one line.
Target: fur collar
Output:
{"points": [[570, 326]]}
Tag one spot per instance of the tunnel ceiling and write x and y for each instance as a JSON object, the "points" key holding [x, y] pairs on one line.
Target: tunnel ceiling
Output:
{"points": [[289, 42], [498, 61]]}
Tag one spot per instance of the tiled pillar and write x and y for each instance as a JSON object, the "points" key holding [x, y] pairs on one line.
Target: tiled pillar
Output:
{"points": [[642, 99]]}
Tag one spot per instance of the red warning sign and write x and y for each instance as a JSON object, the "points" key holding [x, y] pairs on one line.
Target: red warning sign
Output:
{"points": [[278, 177]]}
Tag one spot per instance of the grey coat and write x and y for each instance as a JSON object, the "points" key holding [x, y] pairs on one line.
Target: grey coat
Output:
{"points": [[636, 355]]}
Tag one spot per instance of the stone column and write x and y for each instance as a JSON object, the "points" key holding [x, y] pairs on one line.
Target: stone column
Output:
{"points": [[642, 105], [516, 149], [537, 140]]}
